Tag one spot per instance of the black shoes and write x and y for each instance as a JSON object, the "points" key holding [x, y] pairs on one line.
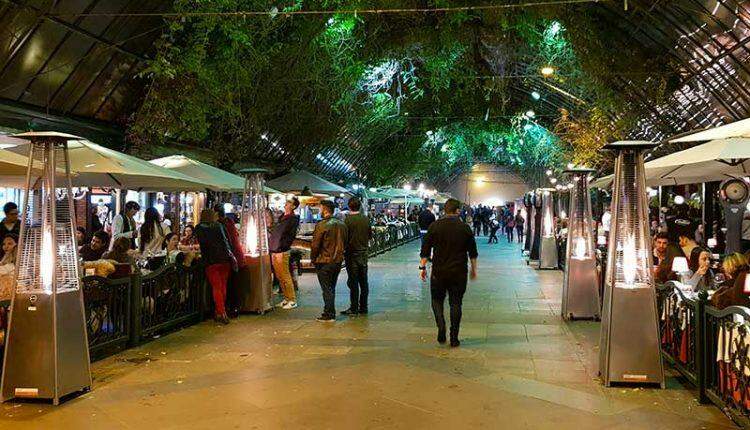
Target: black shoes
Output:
{"points": [[222, 319], [454, 338], [441, 336], [349, 312], [363, 311], [325, 318]]}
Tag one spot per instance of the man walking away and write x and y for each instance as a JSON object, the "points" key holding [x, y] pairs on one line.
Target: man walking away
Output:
{"points": [[426, 218], [358, 233], [510, 226], [327, 253], [280, 244], [476, 218], [519, 221], [451, 243], [494, 227]]}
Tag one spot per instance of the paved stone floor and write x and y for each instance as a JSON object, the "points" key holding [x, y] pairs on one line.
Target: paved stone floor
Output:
{"points": [[519, 367]]}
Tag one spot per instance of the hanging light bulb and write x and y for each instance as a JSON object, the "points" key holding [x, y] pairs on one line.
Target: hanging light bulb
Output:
{"points": [[535, 95], [549, 172], [530, 113], [547, 71], [553, 181]]}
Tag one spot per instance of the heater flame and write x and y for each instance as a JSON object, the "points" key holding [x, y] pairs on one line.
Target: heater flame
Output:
{"points": [[579, 251], [629, 261], [547, 224], [46, 265], [251, 237]]}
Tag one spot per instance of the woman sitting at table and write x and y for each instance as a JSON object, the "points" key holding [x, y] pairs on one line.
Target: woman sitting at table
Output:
{"points": [[702, 276], [733, 293], [174, 249], [8, 265], [188, 238]]}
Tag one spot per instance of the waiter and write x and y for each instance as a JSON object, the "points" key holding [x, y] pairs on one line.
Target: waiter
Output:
{"points": [[451, 243]]}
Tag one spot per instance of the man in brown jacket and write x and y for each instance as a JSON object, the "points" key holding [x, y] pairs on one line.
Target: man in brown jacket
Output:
{"points": [[327, 253]]}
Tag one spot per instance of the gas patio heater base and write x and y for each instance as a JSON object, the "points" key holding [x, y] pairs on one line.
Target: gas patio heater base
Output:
{"points": [[46, 355], [580, 297], [256, 293], [630, 350]]}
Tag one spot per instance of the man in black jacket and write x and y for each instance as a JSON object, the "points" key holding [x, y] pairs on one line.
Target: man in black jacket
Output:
{"points": [[451, 243], [426, 218], [280, 243], [357, 244]]}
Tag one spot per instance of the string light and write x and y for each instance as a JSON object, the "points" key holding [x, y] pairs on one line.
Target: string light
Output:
{"points": [[272, 13], [547, 71]]}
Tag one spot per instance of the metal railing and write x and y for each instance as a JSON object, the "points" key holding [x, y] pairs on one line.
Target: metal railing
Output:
{"points": [[710, 347], [124, 312], [386, 239]]}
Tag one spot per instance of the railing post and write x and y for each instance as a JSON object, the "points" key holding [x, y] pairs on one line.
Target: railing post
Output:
{"points": [[135, 309], [701, 346]]}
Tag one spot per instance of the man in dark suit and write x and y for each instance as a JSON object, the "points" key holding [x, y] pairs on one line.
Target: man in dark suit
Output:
{"points": [[327, 253], [357, 245], [451, 244]]}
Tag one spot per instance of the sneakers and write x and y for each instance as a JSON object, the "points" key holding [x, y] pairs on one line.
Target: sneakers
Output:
{"points": [[289, 305], [325, 318], [282, 303], [349, 312]]}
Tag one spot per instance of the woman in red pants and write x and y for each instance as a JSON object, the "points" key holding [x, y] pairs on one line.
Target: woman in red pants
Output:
{"points": [[218, 258]]}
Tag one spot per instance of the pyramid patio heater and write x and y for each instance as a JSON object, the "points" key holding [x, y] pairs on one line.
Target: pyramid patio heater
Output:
{"points": [[528, 203], [580, 296], [536, 228], [47, 356], [547, 240], [629, 342], [256, 291]]}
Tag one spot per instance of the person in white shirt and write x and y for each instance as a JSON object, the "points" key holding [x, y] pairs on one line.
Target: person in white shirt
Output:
{"points": [[123, 225], [153, 232]]}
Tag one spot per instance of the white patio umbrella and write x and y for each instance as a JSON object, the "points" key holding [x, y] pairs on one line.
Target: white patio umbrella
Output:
{"points": [[298, 180], [94, 165], [213, 177], [736, 129], [713, 161]]}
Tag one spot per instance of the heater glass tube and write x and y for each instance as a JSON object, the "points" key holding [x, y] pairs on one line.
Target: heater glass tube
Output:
{"points": [[629, 238], [548, 220], [580, 233], [253, 229]]}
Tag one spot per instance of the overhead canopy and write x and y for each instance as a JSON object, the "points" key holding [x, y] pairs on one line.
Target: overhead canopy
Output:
{"points": [[213, 177], [368, 194], [736, 129], [295, 182], [93, 165], [713, 161], [399, 193]]}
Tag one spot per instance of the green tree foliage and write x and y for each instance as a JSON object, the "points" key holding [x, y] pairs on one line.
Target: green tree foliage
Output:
{"points": [[390, 97]]}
